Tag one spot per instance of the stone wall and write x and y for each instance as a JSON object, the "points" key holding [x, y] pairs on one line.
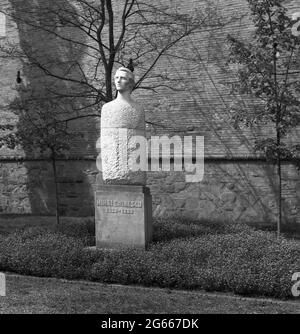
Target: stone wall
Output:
{"points": [[28, 188], [229, 191], [236, 191]]}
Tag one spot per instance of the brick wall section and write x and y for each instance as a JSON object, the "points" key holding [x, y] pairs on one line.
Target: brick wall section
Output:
{"points": [[243, 191], [203, 104]]}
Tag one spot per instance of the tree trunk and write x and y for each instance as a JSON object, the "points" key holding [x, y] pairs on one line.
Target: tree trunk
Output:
{"points": [[279, 219], [278, 134], [56, 190], [109, 92]]}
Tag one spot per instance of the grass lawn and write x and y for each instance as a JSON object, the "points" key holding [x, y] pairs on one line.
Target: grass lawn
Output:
{"points": [[39, 295]]}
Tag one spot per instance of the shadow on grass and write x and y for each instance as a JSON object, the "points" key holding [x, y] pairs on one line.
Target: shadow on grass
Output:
{"points": [[170, 228], [164, 229], [287, 230]]}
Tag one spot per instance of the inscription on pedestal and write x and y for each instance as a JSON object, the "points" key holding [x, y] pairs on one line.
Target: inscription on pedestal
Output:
{"points": [[125, 207], [123, 217]]}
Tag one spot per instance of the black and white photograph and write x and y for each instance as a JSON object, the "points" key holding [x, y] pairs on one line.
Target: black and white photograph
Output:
{"points": [[149, 159]]}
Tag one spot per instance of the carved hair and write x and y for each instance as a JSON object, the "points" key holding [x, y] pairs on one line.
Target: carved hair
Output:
{"points": [[127, 70]]}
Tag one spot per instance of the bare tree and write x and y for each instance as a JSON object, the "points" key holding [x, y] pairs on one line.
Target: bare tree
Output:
{"points": [[94, 36], [69, 50]]}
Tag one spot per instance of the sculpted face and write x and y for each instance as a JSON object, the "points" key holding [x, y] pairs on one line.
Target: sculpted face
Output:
{"points": [[123, 81]]}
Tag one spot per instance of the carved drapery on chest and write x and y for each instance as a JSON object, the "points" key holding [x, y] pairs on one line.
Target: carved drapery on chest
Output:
{"points": [[117, 146]]}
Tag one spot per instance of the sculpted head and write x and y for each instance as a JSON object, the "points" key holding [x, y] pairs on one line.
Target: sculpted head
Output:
{"points": [[124, 80]]}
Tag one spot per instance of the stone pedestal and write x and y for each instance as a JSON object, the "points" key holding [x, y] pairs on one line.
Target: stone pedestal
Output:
{"points": [[123, 216]]}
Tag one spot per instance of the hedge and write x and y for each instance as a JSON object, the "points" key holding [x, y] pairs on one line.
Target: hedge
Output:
{"points": [[229, 258]]}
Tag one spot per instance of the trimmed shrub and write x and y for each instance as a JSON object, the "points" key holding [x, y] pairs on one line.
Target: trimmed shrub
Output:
{"points": [[179, 227], [254, 264], [243, 261], [40, 253], [134, 266], [80, 230]]}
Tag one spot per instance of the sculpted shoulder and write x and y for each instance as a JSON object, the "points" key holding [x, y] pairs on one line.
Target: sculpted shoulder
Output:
{"points": [[115, 104], [107, 105]]}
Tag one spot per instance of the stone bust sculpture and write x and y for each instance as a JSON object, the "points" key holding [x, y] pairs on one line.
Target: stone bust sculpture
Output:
{"points": [[121, 121]]}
